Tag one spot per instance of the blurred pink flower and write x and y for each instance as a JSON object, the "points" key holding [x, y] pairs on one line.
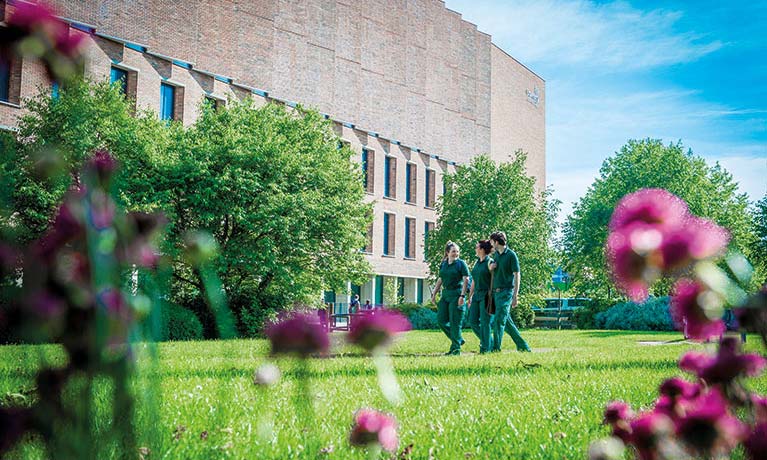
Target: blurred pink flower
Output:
{"points": [[697, 239], [679, 388], [688, 313], [377, 329], [724, 367], [298, 333], [618, 415], [632, 253], [651, 206], [756, 443], [103, 164], [373, 427], [708, 429], [31, 15], [760, 408], [648, 431]]}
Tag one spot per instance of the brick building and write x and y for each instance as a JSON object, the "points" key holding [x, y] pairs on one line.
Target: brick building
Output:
{"points": [[410, 86]]}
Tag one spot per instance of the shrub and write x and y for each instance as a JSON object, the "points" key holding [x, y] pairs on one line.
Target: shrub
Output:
{"points": [[423, 318], [585, 318], [180, 323], [652, 315], [523, 314]]}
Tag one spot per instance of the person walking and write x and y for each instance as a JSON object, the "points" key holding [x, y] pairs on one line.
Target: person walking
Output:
{"points": [[479, 314], [506, 279], [453, 276]]}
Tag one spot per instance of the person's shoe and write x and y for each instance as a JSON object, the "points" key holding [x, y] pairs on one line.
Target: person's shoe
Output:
{"points": [[524, 350], [455, 353], [462, 342]]}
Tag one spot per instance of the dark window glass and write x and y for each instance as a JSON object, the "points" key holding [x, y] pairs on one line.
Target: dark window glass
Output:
{"points": [[5, 80], [119, 76]]}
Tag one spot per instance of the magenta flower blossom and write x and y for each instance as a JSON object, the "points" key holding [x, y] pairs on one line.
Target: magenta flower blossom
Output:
{"points": [[29, 16], [372, 427], [697, 239], [618, 415], [103, 164], [377, 330], [300, 334], [688, 313], [756, 443], [679, 388], [760, 408], [649, 430], [726, 366], [708, 429], [632, 253], [651, 206]]}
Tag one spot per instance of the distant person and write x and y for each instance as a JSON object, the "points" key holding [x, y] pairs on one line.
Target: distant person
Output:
{"points": [[453, 277], [506, 278], [354, 305], [480, 315], [367, 305]]}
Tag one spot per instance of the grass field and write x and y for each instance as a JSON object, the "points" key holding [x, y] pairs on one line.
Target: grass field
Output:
{"points": [[542, 405]]}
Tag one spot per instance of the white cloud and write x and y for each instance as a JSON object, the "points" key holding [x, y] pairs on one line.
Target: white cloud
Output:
{"points": [[609, 36]]}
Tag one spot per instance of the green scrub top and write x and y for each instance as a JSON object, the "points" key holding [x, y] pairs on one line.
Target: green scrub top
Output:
{"points": [[507, 264], [452, 274]]}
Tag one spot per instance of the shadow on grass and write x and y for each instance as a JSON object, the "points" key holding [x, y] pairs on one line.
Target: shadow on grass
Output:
{"points": [[603, 334]]}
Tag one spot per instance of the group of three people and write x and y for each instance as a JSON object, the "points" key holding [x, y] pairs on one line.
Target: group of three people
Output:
{"points": [[494, 290]]}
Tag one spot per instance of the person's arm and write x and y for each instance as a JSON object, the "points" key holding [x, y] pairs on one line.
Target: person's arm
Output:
{"points": [[462, 298], [436, 290], [517, 277], [471, 294]]}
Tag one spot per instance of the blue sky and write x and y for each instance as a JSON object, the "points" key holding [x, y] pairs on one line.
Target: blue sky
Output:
{"points": [[693, 71]]}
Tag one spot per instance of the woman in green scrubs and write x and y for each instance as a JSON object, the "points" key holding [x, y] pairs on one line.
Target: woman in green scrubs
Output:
{"points": [[453, 276], [479, 317]]}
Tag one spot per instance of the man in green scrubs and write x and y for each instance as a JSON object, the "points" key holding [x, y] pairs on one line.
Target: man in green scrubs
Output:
{"points": [[453, 274], [506, 277], [479, 318]]}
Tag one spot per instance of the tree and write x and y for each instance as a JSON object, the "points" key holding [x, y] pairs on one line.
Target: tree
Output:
{"points": [[758, 253], [709, 191], [483, 197], [284, 203], [57, 135]]}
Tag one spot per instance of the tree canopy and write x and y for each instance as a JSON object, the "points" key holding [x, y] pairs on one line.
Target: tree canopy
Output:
{"points": [[482, 197], [710, 192]]}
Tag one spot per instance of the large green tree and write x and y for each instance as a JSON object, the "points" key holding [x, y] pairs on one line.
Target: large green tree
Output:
{"points": [[710, 192], [284, 203], [482, 197], [758, 253]]}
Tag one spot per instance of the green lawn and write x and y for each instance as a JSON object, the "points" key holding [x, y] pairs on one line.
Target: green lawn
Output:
{"points": [[541, 405]]}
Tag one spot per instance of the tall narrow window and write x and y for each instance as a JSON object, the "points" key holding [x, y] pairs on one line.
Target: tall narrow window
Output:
{"points": [[5, 80], [379, 290], [55, 88], [368, 169], [411, 182], [409, 238], [430, 188], [390, 177], [167, 101], [214, 102], [120, 77], [419, 294], [369, 244], [400, 289], [389, 234]]}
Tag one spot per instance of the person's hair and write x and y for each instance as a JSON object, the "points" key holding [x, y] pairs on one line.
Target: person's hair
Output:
{"points": [[499, 237], [485, 246], [356, 296], [448, 247]]}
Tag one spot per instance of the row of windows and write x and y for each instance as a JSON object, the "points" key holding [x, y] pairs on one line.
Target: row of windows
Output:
{"points": [[171, 96], [390, 179], [390, 236]]}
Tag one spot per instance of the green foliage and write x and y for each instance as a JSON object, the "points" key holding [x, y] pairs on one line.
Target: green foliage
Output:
{"points": [[758, 250], [284, 204], [652, 315], [709, 191], [523, 314], [86, 116], [585, 318], [483, 197], [420, 316], [180, 323]]}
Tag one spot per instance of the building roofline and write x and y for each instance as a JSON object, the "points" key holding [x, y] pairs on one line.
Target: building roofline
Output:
{"points": [[517, 61]]}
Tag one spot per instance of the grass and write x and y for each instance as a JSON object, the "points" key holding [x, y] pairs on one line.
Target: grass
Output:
{"points": [[542, 405]]}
